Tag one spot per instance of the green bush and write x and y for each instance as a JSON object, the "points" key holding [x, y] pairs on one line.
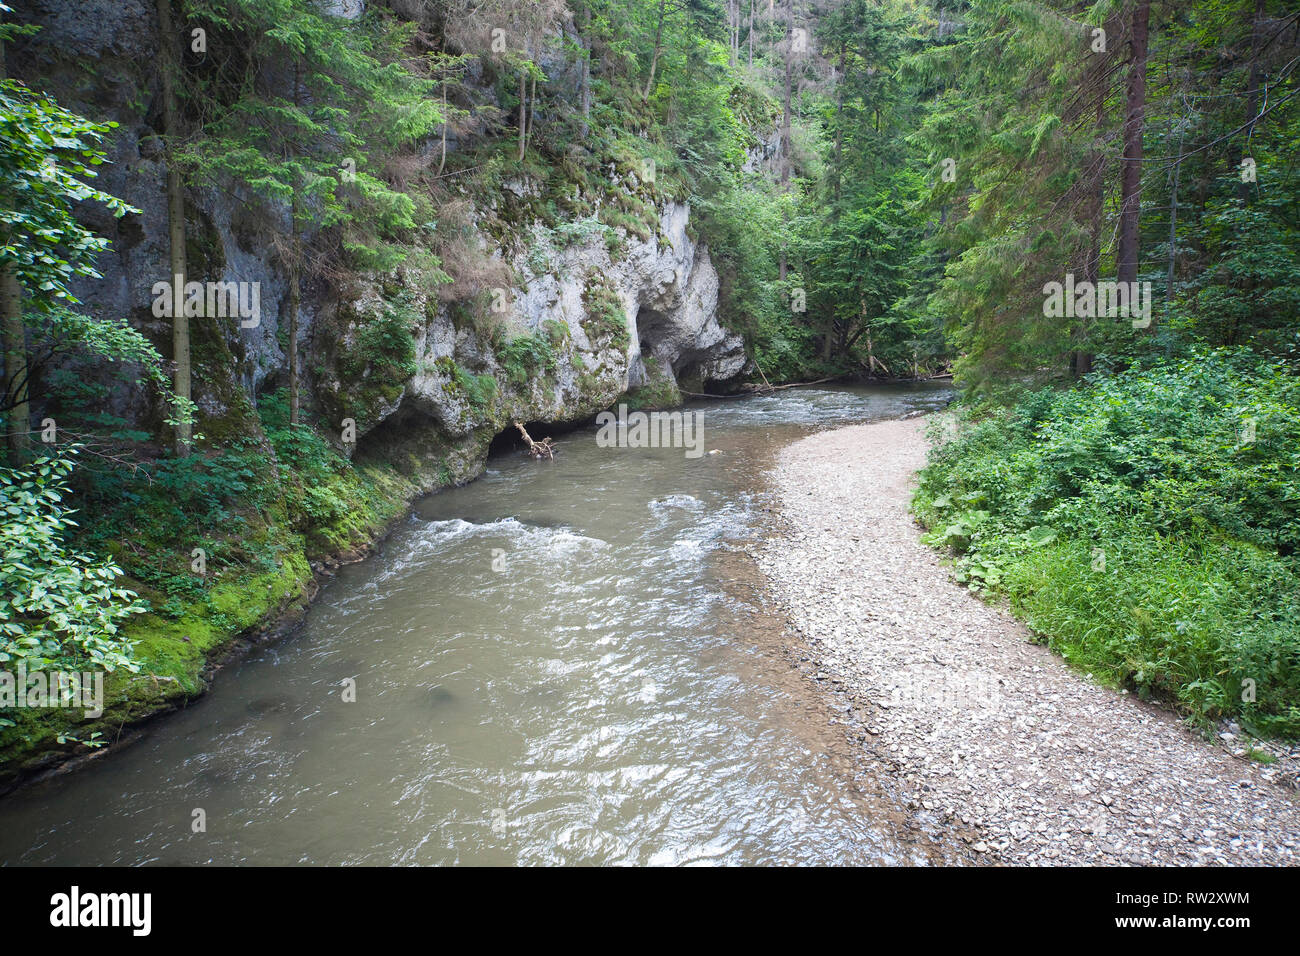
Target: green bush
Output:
{"points": [[478, 390], [1146, 525], [605, 318], [525, 354], [57, 607]]}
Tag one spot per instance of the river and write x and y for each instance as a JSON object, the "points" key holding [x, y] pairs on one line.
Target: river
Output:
{"points": [[562, 662]]}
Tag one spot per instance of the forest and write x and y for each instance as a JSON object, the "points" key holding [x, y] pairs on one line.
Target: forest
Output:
{"points": [[271, 270]]}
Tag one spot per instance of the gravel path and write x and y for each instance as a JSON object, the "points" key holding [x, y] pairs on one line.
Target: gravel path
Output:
{"points": [[987, 734]]}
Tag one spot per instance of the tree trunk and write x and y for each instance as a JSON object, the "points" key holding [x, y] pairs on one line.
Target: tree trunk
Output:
{"points": [[839, 125], [585, 92], [295, 296], [1252, 95], [731, 32], [18, 419], [15, 343], [442, 158], [751, 32], [532, 112], [1131, 171], [654, 57], [523, 114], [1173, 220], [295, 282], [789, 76], [171, 58], [1080, 360]]}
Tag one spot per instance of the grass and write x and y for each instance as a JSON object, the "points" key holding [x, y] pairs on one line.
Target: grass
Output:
{"points": [[1138, 535]]}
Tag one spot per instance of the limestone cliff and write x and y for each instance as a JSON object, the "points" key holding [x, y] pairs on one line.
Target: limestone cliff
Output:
{"points": [[591, 316]]}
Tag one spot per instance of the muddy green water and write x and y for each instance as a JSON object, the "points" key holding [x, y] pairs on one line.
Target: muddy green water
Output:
{"points": [[561, 662]]}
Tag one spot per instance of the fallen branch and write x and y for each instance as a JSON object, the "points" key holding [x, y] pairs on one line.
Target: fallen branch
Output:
{"points": [[538, 449]]}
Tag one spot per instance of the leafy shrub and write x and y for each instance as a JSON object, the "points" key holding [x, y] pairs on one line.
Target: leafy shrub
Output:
{"points": [[1146, 525], [605, 318], [477, 390], [383, 355], [57, 607], [523, 355], [327, 498]]}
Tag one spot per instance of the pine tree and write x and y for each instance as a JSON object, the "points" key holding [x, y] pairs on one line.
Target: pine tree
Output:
{"points": [[304, 137]]}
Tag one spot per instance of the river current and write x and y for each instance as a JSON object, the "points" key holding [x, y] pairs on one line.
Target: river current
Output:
{"points": [[561, 662]]}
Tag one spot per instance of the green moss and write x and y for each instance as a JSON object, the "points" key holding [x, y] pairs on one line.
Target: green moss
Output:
{"points": [[373, 354], [276, 505], [172, 654], [478, 390], [660, 394]]}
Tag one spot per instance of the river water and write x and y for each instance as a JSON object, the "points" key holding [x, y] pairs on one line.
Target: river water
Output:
{"points": [[562, 662]]}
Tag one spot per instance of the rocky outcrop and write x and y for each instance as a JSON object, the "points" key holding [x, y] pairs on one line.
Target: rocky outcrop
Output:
{"points": [[587, 315], [568, 338]]}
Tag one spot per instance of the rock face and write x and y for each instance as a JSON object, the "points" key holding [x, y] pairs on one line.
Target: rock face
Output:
{"points": [[666, 292], [586, 315], [581, 326]]}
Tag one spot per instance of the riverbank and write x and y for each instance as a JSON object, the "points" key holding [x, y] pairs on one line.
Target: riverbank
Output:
{"points": [[983, 729], [274, 558], [605, 682]]}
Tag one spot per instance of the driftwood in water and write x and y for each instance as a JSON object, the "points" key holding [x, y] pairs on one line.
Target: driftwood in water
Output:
{"points": [[538, 449]]}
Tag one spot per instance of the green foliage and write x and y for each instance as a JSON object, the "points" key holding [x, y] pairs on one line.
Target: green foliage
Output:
{"points": [[312, 147], [478, 390], [385, 345], [744, 228], [308, 467], [1147, 526], [171, 499], [46, 156], [525, 355], [605, 321], [1031, 122], [58, 607]]}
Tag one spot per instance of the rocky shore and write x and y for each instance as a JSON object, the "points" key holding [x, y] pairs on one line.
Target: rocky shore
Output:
{"points": [[982, 730]]}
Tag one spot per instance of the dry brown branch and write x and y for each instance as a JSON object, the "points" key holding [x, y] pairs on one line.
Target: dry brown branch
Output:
{"points": [[538, 449]]}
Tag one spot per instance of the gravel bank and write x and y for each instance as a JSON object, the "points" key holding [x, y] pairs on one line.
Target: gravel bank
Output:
{"points": [[985, 732]]}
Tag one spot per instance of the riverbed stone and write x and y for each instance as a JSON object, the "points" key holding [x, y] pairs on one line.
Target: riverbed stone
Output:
{"points": [[1048, 766]]}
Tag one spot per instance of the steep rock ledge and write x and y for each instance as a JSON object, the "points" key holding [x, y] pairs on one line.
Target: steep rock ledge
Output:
{"points": [[588, 313], [661, 291], [666, 285]]}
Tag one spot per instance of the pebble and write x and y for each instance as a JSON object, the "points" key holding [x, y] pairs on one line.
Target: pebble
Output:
{"points": [[981, 724]]}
